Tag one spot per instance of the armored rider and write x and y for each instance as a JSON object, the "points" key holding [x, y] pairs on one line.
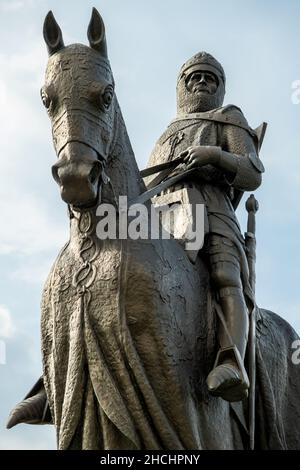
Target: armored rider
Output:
{"points": [[217, 141]]}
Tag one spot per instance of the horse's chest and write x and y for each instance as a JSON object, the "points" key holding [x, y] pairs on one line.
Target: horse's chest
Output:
{"points": [[85, 295]]}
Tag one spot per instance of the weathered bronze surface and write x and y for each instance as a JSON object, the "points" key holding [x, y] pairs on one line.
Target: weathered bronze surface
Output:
{"points": [[142, 348]]}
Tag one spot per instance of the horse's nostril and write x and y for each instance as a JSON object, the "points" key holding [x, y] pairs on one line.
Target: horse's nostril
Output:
{"points": [[55, 173], [94, 173]]}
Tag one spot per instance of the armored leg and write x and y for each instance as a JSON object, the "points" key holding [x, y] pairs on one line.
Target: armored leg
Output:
{"points": [[236, 316], [229, 379]]}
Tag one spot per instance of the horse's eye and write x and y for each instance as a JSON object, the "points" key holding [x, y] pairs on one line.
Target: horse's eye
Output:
{"points": [[107, 96], [45, 99]]}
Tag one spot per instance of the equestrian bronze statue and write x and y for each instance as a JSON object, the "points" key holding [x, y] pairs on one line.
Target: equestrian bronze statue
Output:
{"points": [[145, 345]]}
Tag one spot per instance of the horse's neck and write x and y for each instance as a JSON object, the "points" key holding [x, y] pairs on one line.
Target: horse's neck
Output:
{"points": [[122, 169]]}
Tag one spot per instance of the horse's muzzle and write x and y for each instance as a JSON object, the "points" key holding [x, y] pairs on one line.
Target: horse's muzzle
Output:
{"points": [[78, 173]]}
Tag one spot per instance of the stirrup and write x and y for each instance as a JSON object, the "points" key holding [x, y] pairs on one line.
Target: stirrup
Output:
{"points": [[232, 391], [232, 352]]}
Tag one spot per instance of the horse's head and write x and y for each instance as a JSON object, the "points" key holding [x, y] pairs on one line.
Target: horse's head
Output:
{"points": [[79, 97]]}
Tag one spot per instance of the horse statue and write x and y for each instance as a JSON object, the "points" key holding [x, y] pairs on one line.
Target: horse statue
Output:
{"points": [[128, 327]]}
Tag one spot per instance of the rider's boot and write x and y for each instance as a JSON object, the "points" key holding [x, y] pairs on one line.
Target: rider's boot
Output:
{"points": [[229, 379]]}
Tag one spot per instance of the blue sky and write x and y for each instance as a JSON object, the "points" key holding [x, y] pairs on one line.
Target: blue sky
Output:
{"points": [[257, 43]]}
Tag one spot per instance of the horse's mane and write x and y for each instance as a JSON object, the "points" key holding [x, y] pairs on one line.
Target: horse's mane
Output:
{"points": [[121, 168]]}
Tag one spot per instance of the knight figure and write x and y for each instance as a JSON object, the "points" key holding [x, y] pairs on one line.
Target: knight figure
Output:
{"points": [[218, 143]]}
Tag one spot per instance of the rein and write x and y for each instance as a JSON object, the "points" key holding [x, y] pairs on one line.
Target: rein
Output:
{"points": [[150, 193], [161, 182]]}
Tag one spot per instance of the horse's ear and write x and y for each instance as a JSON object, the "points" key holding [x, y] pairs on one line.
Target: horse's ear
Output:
{"points": [[52, 34], [96, 33]]}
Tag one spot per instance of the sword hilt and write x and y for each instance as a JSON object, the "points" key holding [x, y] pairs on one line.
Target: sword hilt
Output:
{"points": [[252, 207]]}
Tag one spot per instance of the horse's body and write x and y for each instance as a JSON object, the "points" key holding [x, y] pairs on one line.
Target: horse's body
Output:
{"points": [[138, 349], [128, 327]]}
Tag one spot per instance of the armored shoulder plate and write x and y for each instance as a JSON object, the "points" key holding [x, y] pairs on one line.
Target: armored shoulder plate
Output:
{"points": [[256, 162]]}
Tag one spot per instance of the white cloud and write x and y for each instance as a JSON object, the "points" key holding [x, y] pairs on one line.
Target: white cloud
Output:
{"points": [[7, 328], [33, 271], [28, 227], [15, 5], [21, 78]]}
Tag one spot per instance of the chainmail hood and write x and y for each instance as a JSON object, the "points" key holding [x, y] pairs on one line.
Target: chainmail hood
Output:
{"points": [[188, 102]]}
